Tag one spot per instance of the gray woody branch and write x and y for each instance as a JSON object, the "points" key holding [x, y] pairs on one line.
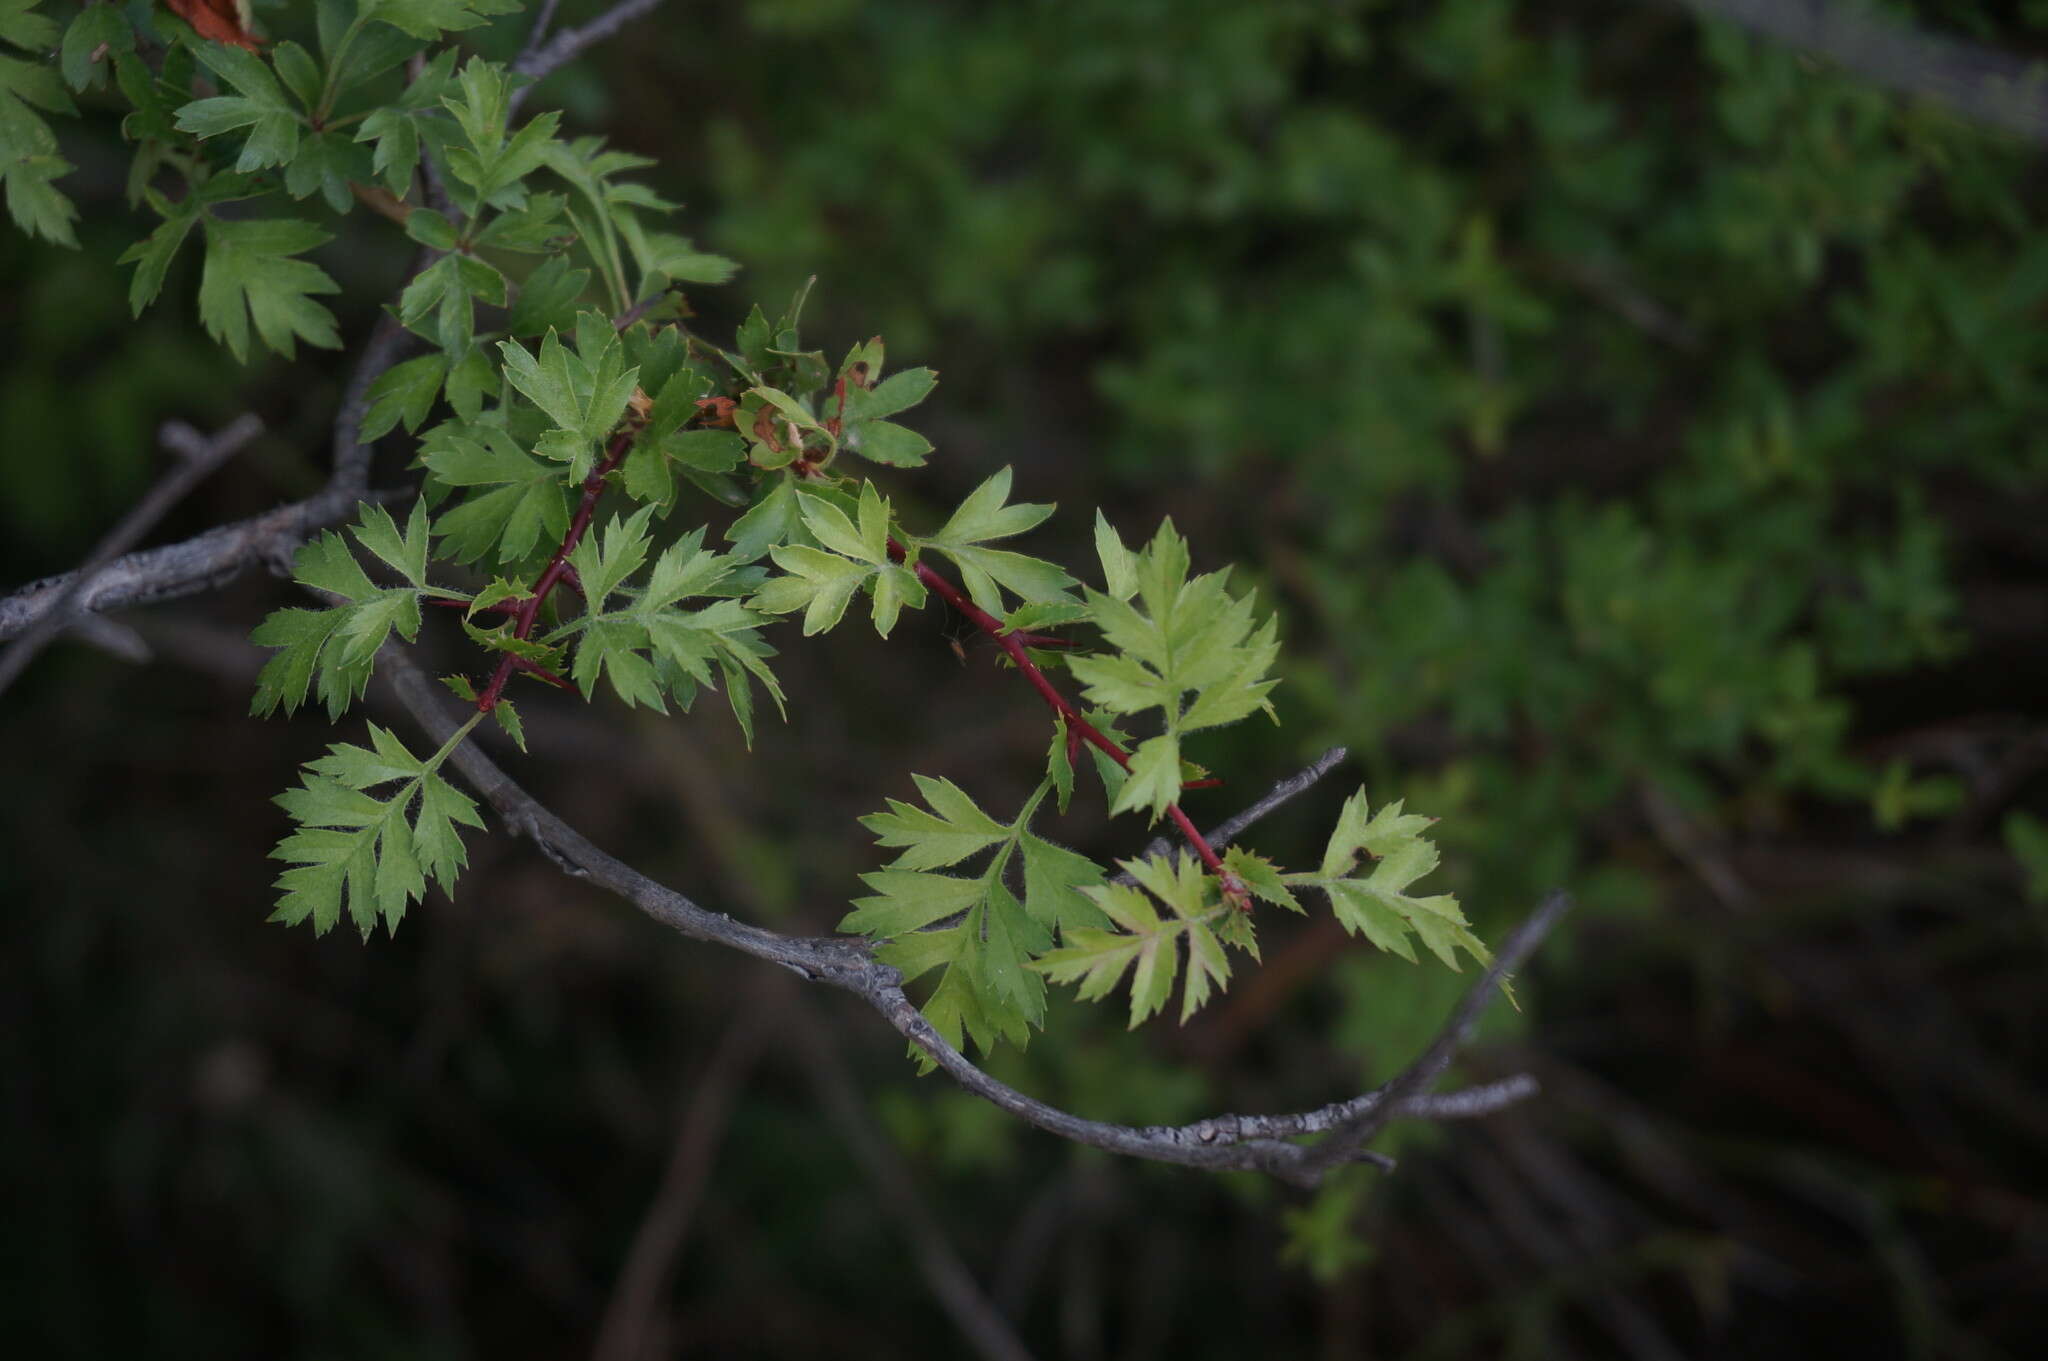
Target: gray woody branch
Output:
{"points": [[542, 57], [1221, 1143], [1981, 84]]}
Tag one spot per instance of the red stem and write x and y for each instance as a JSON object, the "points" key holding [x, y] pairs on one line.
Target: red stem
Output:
{"points": [[558, 567], [1012, 643]]}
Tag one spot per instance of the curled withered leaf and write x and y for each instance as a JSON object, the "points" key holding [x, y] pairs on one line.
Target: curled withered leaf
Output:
{"points": [[224, 21]]}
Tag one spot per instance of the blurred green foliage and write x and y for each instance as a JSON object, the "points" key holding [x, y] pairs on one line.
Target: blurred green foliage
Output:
{"points": [[1641, 427]]}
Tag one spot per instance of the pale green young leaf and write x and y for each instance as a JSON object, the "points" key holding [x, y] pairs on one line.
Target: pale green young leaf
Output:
{"points": [[983, 516], [916, 953], [1262, 877], [1362, 913], [874, 524], [299, 635], [368, 854], [1055, 880], [611, 647], [683, 569], [1208, 968], [545, 379], [957, 1012], [830, 526], [1119, 567], [789, 407], [1378, 835], [603, 567], [1154, 781], [953, 830], [1178, 881], [1092, 958], [909, 900], [1008, 939], [884, 442], [772, 520], [825, 583], [1158, 960], [1027, 578], [405, 554], [893, 588], [1060, 765]]}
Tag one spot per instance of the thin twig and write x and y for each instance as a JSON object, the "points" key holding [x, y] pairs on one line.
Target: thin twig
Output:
{"points": [[815, 1044], [1219, 835], [538, 34], [963, 1299], [567, 45], [204, 562], [1979, 83], [387, 345], [1348, 1137], [1016, 646], [1227, 1142], [629, 1329], [197, 456]]}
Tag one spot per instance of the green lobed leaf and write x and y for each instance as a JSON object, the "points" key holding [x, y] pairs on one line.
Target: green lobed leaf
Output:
{"points": [[404, 392], [526, 505], [250, 275]]}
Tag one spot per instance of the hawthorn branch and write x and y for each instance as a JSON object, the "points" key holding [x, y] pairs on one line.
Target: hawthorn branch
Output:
{"points": [[557, 570], [1982, 84], [542, 58], [1220, 1143], [204, 562], [197, 456], [387, 345], [1014, 646], [1221, 834]]}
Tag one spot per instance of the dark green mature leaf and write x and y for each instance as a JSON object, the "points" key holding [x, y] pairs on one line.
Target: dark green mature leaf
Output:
{"points": [[528, 502], [395, 127], [490, 164], [583, 391], [98, 34], [250, 273], [152, 257], [262, 106], [338, 646], [28, 148], [403, 392], [429, 19], [990, 988], [547, 300]]}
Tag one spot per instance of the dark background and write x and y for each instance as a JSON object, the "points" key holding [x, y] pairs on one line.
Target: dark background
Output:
{"points": [[1640, 431]]}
